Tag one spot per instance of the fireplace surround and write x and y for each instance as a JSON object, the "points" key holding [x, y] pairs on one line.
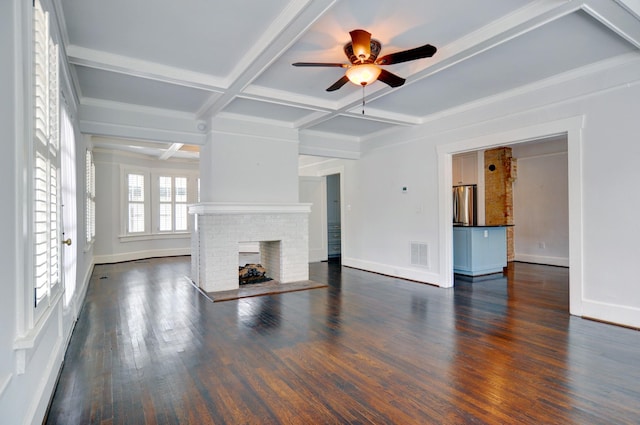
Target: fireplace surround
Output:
{"points": [[219, 228]]}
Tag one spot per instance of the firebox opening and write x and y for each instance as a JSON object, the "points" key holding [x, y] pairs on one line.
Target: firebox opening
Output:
{"points": [[258, 261], [252, 273]]}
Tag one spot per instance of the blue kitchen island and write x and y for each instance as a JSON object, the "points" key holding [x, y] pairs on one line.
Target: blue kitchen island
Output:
{"points": [[479, 250]]}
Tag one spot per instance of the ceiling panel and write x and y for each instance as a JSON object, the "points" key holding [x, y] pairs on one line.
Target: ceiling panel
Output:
{"points": [[398, 25], [266, 110], [162, 54], [352, 127], [111, 86], [204, 36], [568, 43]]}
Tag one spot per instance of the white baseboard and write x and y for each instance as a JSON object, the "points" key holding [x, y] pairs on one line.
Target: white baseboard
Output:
{"points": [[612, 313], [541, 259], [394, 271], [82, 293], [78, 299], [47, 385], [139, 255]]}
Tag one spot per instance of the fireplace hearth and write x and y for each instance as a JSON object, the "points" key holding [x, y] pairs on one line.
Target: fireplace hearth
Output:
{"points": [[220, 228]]}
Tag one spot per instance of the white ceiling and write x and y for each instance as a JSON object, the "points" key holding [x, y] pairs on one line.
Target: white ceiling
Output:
{"points": [[196, 59]]}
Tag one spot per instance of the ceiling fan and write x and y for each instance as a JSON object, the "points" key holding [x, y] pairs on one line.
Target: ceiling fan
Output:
{"points": [[364, 68]]}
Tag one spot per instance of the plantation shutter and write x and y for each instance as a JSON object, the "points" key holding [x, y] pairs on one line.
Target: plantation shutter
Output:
{"points": [[46, 160], [90, 196]]}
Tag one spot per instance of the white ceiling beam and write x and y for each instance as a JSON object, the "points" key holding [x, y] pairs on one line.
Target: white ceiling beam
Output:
{"points": [[144, 69], [171, 151], [617, 18], [287, 29]]}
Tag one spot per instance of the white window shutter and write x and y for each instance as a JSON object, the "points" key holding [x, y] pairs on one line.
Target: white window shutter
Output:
{"points": [[46, 162]]}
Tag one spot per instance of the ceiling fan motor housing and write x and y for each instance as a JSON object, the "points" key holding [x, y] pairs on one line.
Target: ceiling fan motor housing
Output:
{"points": [[353, 58]]}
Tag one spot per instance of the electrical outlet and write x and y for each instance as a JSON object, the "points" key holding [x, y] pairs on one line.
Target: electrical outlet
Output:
{"points": [[542, 245]]}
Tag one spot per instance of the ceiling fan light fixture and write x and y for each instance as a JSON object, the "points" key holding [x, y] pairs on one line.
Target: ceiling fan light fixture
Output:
{"points": [[362, 75]]}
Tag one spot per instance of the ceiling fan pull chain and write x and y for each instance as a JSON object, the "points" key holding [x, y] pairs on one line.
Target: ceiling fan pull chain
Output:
{"points": [[363, 99]]}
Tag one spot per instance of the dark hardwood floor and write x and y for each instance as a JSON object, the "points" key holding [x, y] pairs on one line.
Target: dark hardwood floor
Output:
{"points": [[369, 349]]}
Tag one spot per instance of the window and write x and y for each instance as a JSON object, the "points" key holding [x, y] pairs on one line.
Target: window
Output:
{"points": [[172, 204], [156, 202], [90, 196], [136, 205], [181, 204], [46, 164]]}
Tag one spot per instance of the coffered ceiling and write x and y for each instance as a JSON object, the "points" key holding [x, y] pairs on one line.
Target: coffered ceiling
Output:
{"points": [[180, 63]]}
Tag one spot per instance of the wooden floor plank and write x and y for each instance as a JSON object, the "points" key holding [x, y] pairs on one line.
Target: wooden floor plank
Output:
{"points": [[149, 348]]}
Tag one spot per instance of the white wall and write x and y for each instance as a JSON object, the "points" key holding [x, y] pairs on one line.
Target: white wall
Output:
{"points": [[30, 357], [611, 157], [10, 225], [541, 203], [380, 220], [110, 245], [313, 191], [249, 164]]}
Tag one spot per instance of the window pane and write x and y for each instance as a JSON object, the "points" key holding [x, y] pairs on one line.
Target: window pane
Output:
{"points": [[54, 235], [136, 218], [181, 189], [181, 217], [165, 189], [136, 187], [165, 217]]}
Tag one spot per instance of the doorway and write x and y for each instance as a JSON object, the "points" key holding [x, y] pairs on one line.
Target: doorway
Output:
{"points": [[334, 222], [572, 128]]}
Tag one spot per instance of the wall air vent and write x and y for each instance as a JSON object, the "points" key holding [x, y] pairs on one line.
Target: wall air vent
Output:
{"points": [[419, 254]]}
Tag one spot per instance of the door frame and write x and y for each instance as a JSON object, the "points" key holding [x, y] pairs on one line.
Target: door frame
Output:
{"points": [[322, 210], [572, 128], [324, 173]]}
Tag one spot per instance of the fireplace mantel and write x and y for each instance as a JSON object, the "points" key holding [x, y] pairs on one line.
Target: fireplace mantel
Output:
{"points": [[247, 208], [281, 229]]}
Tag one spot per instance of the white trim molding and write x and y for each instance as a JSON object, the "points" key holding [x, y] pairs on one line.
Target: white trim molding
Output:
{"points": [[248, 208], [572, 127]]}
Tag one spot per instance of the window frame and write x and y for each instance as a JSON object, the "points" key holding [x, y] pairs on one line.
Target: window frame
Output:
{"points": [[152, 202], [126, 202], [156, 207]]}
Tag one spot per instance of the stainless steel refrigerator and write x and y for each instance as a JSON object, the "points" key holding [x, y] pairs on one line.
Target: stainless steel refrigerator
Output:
{"points": [[464, 205]]}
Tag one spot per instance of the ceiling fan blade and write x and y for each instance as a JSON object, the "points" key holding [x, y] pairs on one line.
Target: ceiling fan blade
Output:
{"points": [[341, 82], [361, 42], [390, 79], [337, 65], [425, 51]]}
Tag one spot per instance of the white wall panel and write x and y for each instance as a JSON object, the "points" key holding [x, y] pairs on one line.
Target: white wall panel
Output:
{"points": [[541, 207]]}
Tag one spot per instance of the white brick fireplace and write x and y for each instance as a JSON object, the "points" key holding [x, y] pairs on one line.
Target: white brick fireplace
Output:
{"points": [[219, 228]]}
